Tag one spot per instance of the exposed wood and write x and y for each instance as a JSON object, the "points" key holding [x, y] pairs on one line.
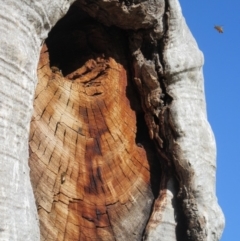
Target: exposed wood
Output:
{"points": [[96, 175], [91, 180], [94, 170]]}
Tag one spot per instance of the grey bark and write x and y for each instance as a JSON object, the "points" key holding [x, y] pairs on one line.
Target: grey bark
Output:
{"points": [[177, 65], [23, 26]]}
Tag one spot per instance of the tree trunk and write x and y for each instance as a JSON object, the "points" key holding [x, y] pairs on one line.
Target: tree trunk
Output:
{"points": [[119, 146]]}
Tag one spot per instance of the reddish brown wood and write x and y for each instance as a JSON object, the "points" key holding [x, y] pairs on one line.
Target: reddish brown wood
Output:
{"points": [[91, 180]]}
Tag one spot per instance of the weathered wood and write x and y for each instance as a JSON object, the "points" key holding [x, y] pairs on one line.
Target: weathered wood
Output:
{"points": [[91, 180], [96, 176]]}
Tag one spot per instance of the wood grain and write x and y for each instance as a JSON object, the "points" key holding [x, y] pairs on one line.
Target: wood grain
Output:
{"points": [[91, 180]]}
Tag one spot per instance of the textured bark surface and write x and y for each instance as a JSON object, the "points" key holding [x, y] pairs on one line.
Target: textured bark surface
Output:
{"points": [[120, 147], [23, 26]]}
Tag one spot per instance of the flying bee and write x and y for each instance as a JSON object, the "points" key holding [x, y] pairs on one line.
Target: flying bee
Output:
{"points": [[219, 28]]}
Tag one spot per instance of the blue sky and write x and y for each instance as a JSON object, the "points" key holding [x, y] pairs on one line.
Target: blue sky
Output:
{"points": [[222, 88]]}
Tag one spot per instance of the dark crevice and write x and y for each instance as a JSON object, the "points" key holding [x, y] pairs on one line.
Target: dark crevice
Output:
{"points": [[143, 140], [182, 224], [77, 38], [96, 94]]}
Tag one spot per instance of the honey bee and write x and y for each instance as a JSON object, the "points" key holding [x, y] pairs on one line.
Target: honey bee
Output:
{"points": [[219, 28]]}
